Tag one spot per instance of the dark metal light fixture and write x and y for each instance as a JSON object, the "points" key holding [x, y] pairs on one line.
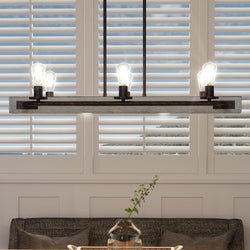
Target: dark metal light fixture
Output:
{"points": [[123, 103]]}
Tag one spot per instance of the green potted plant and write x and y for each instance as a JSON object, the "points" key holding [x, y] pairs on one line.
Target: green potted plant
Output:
{"points": [[125, 233]]}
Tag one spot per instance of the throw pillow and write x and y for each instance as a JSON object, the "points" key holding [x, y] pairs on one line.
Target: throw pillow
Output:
{"points": [[220, 242], [28, 240]]}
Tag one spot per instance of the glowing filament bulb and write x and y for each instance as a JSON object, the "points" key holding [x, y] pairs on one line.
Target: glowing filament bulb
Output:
{"points": [[207, 75], [50, 81], [124, 74], [37, 72]]}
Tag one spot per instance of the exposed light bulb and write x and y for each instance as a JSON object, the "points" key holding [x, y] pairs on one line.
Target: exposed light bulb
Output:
{"points": [[37, 72], [124, 74], [50, 81], [207, 76]]}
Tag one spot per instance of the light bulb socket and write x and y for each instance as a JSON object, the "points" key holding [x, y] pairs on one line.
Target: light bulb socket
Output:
{"points": [[208, 93], [123, 93], [38, 93], [49, 94]]}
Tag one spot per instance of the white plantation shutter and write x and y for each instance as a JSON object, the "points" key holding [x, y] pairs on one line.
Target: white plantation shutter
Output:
{"points": [[231, 53], [138, 139], [54, 43], [37, 31], [140, 135]]}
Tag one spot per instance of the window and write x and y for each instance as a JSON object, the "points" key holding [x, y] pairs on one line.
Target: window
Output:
{"points": [[38, 31], [126, 143], [231, 52]]}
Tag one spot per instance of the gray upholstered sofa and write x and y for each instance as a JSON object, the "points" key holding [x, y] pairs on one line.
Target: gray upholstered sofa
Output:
{"points": [[151, 228]]}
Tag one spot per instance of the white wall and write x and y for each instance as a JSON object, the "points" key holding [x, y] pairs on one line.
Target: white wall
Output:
{"points": [[108, 200]]}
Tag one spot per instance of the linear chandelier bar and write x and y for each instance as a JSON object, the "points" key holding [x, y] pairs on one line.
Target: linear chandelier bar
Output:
{"points": [[100, 105]]}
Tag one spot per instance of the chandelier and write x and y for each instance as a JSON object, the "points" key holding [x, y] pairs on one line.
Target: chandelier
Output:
{"points": [[207, 102]]}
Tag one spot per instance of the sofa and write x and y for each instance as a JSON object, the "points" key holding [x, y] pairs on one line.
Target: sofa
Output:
{"points": [[96, 229]]}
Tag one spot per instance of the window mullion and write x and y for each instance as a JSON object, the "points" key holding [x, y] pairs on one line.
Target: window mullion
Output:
{"points": [[199, 55]]}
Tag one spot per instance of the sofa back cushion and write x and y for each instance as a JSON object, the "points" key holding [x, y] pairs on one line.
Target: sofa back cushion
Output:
{"points": [[152, 229]]}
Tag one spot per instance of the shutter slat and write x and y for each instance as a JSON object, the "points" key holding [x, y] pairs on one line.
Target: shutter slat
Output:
{"points": [[153, 29], [13, 121], [232, 1], [45, 121], [155, 66], [11, 148], [153, 93], [14, 21], [170, 149], [120, 39], [232, 85], [11, 130], [232, 47], [232, 57], [232, 29], [55, 48], [231, 121], [160, 131], [159, 48], [54, 20], [231, 131], [234, 66], [120, 149], [171, 140], [55, 149], [54, 2], [14, 2], [228, 149], [14, 48], [150, 20], [12, 11], [232, 19], [130, 11], [154, 85], [54, 39], [54, 11], [121, 130], [54, 130], [54, 30], [233, 140], [14, 140], [121, 140], [169, 57], [60, 58], [153, 76], [232, 10], [131, 2], [239, 38], [15, 31]]}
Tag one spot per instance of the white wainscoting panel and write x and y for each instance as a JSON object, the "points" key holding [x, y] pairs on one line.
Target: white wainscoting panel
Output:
{"points": [[180, 207], [37, 206], [107, 206]]}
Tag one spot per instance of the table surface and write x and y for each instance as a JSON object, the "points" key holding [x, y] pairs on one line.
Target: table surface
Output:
{"points": [[122, 248]]}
